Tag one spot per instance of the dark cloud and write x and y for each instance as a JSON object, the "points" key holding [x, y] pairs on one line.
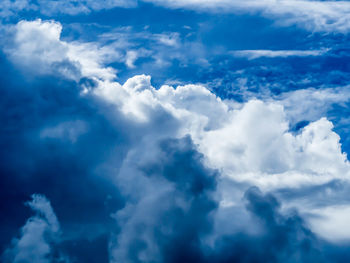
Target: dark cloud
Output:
{"points": [[283, 238], [175, 213], [39, 155], [182, 165], [64, 171]]}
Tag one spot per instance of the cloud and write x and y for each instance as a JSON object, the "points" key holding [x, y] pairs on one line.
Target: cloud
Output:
{"points": [[284, 237], [131, 57], [57, 139], [153, 52], [50, 54], [9, 8], [37, 234], [161, 174], [316, 102], [70, 130], [70, 7], [254, 54], [249, 143], [37, 44], [315, 16], [248, 147], [164, 219]]}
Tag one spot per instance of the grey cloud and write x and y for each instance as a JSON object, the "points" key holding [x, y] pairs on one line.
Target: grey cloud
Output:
{"points": [[37, 235]]}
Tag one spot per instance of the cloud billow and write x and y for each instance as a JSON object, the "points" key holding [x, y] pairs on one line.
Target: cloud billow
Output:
{"points": [[128, 172]]}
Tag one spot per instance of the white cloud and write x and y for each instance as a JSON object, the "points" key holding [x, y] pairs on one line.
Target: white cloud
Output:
{"points": [[160, 49], [10, 7], [255, 145], [34, 244], [322, 16], [254, 54], [331, 222], [71, 7], [315, 16], [315, 102], [131, 57], [168, 39], [37, 47], [248, 142]]}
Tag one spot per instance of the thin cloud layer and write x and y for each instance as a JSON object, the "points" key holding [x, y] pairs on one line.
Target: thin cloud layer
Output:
{"points": [[70, 7], [254, 54], [315, 16]]}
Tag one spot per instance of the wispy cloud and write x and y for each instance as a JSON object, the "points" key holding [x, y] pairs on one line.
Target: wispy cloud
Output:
{"points": [[71, 7], [254, 54], [319, 16], [315, 16]]}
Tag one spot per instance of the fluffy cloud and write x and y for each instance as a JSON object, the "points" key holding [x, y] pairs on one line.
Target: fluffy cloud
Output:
{"points": [[254, 140], [180, 158], [249, 143], [37, 44]]}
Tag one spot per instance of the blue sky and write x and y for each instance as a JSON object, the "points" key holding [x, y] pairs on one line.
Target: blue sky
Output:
{"points": [[174, 131]]}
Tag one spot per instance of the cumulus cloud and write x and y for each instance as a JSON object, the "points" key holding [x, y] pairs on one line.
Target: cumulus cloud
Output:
{"points": [[37, 44], [256, 145], [249, 149], [249, 143], [156, 169]]}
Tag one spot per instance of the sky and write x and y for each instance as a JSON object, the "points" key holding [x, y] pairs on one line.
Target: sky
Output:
{"points": [[174, 131]]}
